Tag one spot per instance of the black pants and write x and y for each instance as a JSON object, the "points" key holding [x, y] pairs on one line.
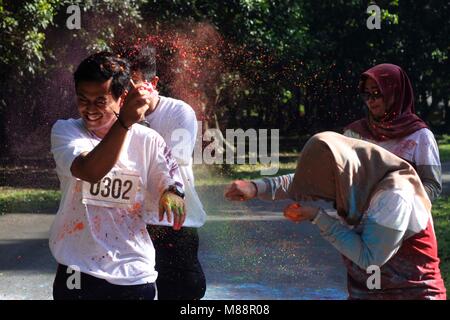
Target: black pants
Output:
{"points": [[180, 275], [92, 288]]}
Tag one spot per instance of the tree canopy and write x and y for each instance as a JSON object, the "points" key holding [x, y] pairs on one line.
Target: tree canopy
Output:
{"points": [[292, 65]]}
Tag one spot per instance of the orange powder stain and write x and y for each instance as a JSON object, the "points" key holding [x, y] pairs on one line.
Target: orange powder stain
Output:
{"points": [[79, 226], [78, 186], [97, 224], [136, 209]]}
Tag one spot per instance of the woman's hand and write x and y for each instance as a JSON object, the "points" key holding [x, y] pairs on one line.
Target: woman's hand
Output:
{"points": [[241, 190], [297, 213], [172, 204]]}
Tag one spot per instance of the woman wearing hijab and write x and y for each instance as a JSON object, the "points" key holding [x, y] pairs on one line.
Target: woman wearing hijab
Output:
{"points": [[392, 123], [381, 215]]}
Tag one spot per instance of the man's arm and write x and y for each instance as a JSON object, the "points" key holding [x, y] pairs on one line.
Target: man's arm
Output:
{"points": [[164, 172], [94, 165]]}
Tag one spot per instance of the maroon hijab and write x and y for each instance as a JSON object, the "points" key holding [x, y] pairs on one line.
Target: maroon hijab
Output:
{"points": [[400, 119]]}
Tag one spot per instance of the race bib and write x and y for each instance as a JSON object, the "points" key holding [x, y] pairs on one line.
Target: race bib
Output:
{"points": [[116, 190]]}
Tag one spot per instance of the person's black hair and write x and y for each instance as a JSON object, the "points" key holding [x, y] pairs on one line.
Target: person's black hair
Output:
{"points": [[142, 57], [101, 67]]}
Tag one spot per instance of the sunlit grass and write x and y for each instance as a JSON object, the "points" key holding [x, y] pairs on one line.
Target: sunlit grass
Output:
{"points": [[444, 148], [444, 152], [441, 217], [28, 200], [218, 175]]}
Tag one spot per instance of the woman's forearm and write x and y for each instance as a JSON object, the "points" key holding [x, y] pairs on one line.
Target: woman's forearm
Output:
{"points": [[431, 177], [374, 246], [274, 188]]}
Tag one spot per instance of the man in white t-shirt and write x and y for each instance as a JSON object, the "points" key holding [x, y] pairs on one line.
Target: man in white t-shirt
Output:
{"points": [[180, 275], [116, 177]]}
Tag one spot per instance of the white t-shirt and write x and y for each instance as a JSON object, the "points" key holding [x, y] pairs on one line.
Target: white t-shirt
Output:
{"points": [[176, 122], [420, 147], [101, 229]]}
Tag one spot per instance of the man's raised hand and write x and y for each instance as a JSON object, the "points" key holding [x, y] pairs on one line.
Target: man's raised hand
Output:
{"points": [[135, 104]]}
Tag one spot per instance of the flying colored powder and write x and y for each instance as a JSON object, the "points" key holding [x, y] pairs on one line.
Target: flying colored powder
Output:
{"points": [[196, 64], [189, 62]]}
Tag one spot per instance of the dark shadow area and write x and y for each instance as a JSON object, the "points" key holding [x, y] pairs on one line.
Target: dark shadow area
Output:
{"points": [[28, 177], [26, 255]]}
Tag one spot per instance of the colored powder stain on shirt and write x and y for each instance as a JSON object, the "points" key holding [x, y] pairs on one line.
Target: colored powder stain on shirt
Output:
{"points": [[77, 188], [79, 226], [66, 230], [136, 209], [97, 222]]}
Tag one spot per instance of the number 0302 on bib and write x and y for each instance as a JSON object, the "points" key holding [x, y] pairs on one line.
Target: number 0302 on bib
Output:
{"points": [[116, 190]]}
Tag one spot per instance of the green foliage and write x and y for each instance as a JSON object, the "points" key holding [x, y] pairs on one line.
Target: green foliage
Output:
{"points": [[292, 65], [38, 54], [444, 148], [23, 36]]}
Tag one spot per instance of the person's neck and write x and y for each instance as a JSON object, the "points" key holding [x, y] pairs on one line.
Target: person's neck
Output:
{"points": [[153, 106], [100, 133]]}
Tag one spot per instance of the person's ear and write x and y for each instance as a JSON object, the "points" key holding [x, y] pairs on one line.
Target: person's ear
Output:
{"points": [[154, 81], [122, 98]]}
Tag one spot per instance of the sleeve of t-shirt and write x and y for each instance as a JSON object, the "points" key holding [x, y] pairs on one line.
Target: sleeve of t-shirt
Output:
{"points": [[427, 151], [428, 164], [163, 172], [67, 143], [274, 188], [183, 130], [383, 231], [163, 168]]}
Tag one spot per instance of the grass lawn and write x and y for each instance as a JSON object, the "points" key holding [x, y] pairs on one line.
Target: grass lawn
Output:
{"points": [[444, 147], [28, 200], [441, 217]]}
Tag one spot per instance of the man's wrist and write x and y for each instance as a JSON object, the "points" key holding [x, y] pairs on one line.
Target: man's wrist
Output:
{"points": [[124, 124], [176, 190], [121, 122]]}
